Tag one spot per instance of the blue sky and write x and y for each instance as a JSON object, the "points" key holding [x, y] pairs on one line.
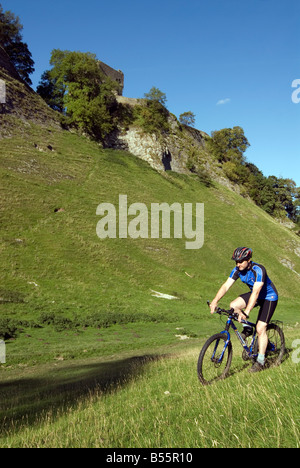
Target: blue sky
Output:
{"points": [[231, 62]]}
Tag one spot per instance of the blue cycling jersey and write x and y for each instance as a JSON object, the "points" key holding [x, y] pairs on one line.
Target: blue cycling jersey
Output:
{"points": [[257, 273]]}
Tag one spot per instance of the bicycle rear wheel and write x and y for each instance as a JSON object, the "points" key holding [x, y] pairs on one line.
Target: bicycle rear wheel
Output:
{"points": [[214, 359]]}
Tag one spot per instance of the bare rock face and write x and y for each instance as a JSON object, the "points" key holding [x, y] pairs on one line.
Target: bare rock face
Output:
{"points": [[166, 151]]}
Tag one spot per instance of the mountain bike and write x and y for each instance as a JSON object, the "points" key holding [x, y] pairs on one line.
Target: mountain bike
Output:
{"points": [[216, 355]]}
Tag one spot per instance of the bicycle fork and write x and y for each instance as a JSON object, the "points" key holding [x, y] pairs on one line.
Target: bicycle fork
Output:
{"points": [[220, 359]]}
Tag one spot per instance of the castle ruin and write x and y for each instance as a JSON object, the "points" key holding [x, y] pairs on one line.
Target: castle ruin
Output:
{"points": [[115, 75]]}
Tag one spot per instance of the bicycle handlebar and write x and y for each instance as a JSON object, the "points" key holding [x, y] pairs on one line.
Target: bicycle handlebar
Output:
{"points": [[228, 313]]}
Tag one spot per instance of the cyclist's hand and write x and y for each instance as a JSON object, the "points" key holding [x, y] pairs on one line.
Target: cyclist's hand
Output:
{"points": [[213, 305], [242, 317]]}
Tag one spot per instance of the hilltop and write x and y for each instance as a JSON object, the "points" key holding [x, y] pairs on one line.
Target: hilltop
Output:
{"points": [[173, 151], [89, 101]]}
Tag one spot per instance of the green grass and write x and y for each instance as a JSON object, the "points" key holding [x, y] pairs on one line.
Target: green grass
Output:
{"points": [[54, 263], [154, 401]]}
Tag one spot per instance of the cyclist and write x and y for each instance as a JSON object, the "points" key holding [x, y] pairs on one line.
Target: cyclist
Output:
{"points": [[262, 293]]}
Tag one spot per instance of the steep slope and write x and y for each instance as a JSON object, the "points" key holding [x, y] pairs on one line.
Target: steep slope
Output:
{"points": [[22, 104], [53, 261]]}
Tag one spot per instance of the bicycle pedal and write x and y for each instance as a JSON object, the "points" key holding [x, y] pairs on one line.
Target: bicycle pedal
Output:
{"points": [[245, 356]]}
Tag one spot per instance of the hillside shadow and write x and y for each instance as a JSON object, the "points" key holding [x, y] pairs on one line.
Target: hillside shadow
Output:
{"points": [[24, 400]]}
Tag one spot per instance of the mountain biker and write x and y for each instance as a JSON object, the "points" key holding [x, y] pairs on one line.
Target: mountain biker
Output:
{"points": [[262, 293]]}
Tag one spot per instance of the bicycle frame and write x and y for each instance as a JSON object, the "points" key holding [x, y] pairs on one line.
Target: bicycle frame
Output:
{"points": [[249, 350]]}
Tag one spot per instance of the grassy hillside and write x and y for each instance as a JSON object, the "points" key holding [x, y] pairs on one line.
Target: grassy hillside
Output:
{"points": [[54, 267], [22, 104], [90, 335]]}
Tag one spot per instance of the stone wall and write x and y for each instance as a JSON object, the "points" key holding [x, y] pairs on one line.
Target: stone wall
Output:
{"points": [[6, 64], [127, 101], [115, 75]]}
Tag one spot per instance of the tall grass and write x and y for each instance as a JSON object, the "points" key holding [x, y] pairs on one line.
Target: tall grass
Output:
{"points": [[162, 404]]}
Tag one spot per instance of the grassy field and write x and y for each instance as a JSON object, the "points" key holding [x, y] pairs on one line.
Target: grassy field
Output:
{"points": [[89, 336], [153, 400]]}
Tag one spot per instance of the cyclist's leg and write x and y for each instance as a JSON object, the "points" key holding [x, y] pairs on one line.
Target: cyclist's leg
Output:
{"points": [[239, 305], [240, 302], [261, 329], [266, 312]]}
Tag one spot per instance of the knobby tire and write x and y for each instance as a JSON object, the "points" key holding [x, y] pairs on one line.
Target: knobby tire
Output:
{"points": [[208, 371]]}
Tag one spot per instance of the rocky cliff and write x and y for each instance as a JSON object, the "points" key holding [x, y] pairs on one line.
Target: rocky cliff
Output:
{"points": [[182, 149], [165, 152]]}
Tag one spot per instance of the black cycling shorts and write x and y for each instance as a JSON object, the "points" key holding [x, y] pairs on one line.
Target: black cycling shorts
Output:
{"points": [[267, 308]]}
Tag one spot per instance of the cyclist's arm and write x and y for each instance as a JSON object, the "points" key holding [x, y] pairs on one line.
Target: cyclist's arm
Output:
{"points": [[253, 298], [222, 291]]}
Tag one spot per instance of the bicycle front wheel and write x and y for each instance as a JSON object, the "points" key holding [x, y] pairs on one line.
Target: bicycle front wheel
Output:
{"points": [[215, 359]]}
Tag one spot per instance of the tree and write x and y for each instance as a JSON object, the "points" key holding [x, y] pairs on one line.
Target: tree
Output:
{"points": [[51, 92], [11, 41], [229, 144], [151, 115], [152, 118], [75, 86], [297, 204], [156, 95], [285, 193], [187, 118]]}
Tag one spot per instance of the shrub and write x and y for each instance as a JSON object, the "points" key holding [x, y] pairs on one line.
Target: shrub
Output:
{"points": [[59, 322], [152, 117], [8, 328]]}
